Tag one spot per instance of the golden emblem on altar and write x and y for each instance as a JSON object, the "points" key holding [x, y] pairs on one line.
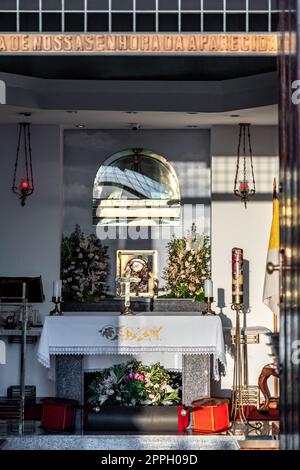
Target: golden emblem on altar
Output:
{"points": [[126, 333]]}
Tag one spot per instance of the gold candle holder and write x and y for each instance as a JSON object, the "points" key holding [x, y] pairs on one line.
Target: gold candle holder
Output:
{"points": [[208, 310]]}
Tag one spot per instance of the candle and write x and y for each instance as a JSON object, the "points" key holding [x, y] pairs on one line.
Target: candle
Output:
{"points": [[237, 276], [56, 288], [208, 288]]}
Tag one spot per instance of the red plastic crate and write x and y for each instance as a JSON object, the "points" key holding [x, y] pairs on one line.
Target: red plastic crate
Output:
{"points": [[210, 415], [58, 415]]}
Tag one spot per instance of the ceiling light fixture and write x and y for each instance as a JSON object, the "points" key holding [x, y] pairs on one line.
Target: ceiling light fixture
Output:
{"points": [[80, 126]]}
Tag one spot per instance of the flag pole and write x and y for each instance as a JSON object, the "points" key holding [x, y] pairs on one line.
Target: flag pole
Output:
{"points": [[276, 380], [275, 317]]}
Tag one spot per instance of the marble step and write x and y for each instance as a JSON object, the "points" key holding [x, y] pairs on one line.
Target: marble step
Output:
{"points": [[120, 442]]}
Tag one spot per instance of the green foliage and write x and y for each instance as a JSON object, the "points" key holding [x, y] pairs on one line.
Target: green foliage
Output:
{"points": [[85, 266]]}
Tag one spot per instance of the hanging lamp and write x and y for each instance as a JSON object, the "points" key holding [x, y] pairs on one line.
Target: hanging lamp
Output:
{"points": [[244, 184], [23, 185]]}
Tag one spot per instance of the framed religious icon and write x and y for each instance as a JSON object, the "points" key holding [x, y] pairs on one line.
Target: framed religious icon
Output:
{"points": [[140, 264]]}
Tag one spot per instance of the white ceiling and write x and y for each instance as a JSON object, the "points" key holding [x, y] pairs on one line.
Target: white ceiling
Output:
{"points": [[267, 115]]}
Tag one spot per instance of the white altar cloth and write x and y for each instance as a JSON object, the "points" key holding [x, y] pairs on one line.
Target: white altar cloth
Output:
{"points": [[90, 335]]}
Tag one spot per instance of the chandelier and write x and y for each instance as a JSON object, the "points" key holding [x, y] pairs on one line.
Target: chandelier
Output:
{"points": [[244, 185], [22, 184]]}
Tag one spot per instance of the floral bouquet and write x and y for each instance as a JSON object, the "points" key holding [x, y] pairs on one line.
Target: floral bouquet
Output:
{"points": [[135, 384], [84, 267], [188, 266]]}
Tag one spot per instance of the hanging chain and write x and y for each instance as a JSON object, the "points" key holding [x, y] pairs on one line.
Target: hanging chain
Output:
{"points": [[14, 187], [30, 158], [251, 160], [238, 160], [244, 150], [26, 150], [246, 188]]}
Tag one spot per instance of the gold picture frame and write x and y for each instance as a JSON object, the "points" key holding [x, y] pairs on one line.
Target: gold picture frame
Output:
{"points": [[143, 264]]}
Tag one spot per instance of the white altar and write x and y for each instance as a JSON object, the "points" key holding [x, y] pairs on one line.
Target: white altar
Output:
{"points": [[190, 335]]}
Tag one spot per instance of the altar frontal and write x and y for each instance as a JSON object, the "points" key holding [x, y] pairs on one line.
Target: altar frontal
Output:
{"points": [[132, 335]]}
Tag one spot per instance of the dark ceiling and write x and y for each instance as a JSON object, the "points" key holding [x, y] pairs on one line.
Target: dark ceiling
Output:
{"points": [[137, 68]]}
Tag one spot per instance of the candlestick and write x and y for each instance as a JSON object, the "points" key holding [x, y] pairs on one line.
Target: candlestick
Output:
{"points": [[57, 288], [208, 288], [57, 306], [208, 297], [208, 310]]}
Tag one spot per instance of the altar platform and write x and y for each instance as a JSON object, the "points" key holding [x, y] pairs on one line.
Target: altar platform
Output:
{"points": [[38, 439], [121, 442]]}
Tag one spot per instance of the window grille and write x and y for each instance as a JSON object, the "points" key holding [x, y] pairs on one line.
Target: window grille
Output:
{"points": [[140, 16]]}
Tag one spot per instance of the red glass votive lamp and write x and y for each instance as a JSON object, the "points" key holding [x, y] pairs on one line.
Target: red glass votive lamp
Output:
{"points": [[244, 186], [24, 184]]}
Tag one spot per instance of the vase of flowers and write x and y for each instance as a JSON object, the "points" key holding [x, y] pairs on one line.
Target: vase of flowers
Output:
{"points": [[188, 266], [85, 267], [134, 384]]}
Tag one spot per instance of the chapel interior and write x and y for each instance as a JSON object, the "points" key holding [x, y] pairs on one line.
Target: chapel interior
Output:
{"points": [[105, 162]]}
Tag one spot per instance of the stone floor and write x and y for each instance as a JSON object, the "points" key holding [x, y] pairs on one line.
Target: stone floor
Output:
{"points": [[35, 438]]}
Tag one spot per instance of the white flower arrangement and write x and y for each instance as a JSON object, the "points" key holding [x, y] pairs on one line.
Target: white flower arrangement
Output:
{"points": [[188, 266], [85, 267]]}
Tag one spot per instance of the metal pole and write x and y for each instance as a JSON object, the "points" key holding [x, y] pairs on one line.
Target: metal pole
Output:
{"points": [[23, 356]]}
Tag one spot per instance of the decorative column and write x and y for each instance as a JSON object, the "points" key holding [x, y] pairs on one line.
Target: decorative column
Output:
{"points": [[195, 377], [70, 381]]}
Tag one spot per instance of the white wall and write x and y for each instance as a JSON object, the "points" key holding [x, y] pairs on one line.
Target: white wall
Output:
{"points": [[30, 236], [234, 226]]}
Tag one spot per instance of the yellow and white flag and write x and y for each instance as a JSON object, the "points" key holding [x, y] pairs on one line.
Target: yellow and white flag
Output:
{"points": [[271, 296]]}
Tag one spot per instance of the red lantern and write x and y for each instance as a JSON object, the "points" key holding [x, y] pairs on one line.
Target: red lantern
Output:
{"points": [[244, 183], [26, 187]]}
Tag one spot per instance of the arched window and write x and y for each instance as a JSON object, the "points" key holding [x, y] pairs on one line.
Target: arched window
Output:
{"points": [[136, 187]]}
